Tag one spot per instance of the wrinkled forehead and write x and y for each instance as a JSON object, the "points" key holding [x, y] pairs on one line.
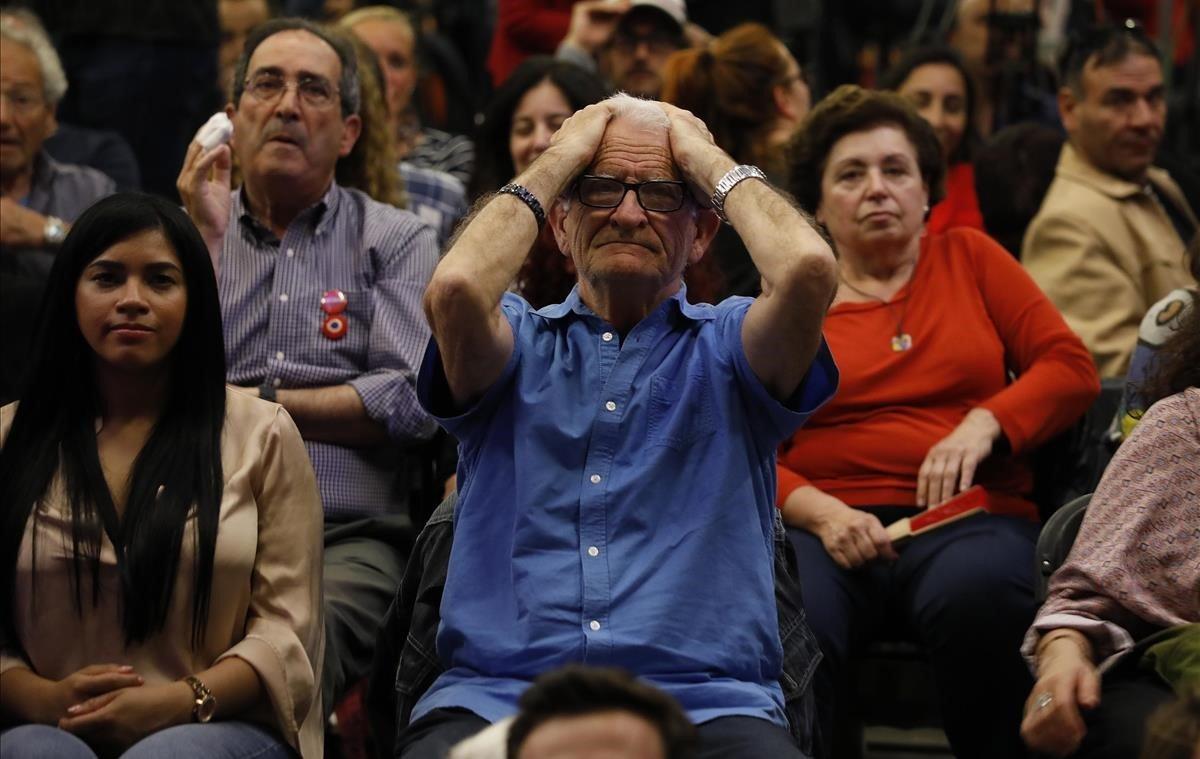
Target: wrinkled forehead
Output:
{"points": [[634, 151]]}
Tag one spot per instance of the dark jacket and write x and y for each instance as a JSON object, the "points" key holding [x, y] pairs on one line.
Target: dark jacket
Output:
{"points": [[406, 661]]}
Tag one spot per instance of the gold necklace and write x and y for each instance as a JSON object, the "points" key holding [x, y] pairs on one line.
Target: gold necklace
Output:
{"points": [[901, 340]]}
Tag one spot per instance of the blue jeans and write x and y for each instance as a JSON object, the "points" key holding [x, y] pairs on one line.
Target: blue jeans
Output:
{"points": [[216, 740]]}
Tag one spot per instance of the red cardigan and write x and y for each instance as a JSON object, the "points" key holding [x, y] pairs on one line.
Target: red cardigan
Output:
{"points": [[974, 316], [960, 207], [525, 28]]}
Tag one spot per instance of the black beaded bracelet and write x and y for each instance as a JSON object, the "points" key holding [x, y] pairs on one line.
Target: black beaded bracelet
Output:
{"points": [[528, 199]]}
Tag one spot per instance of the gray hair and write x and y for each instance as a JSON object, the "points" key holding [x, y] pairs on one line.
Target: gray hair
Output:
{"points": [[644, 114], [24, 28]]}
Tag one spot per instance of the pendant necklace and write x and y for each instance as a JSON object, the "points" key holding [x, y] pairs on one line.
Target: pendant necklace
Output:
{"points": [[901, 340]]}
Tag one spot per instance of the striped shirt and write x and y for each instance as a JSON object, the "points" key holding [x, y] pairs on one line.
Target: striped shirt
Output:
{"points": [[381, 258], [438, 198], [442, 151]]}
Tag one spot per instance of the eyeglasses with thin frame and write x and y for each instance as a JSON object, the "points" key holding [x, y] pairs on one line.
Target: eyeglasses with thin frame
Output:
{"points": [[315, 91], [22, 101], [661, 195]]}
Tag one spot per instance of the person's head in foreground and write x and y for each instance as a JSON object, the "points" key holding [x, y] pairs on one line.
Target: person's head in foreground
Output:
{"points": [[1113, 100], [592, 713]]}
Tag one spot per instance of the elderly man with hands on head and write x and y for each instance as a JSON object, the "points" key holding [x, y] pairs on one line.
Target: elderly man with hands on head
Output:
{"points": [[616, 472]]}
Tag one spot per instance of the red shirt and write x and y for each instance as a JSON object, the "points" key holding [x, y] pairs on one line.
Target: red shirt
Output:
{"points": [[974, 316], [960, 207]]}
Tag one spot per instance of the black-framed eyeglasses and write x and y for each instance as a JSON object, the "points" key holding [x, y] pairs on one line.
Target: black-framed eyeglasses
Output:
{"points": [[315, 91], [661, 195]]}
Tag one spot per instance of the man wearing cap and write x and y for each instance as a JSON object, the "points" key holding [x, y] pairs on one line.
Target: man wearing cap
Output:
{"points": [[628, 43], [616, 471]]}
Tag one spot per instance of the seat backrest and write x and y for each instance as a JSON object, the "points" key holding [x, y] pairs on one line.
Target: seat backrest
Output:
{"points": [[1055, 541]]}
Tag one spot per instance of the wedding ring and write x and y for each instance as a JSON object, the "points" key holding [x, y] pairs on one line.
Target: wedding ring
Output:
{"points": [[1043, 700]]}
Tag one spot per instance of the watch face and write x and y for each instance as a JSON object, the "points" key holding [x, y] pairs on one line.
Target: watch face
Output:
{"points": [[206, 709]]}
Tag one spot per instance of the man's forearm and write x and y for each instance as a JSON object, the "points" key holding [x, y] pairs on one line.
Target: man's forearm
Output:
{"points": [[333, 414], [777, 235]]}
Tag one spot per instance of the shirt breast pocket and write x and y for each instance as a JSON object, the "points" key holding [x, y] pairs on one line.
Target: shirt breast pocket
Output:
{"points": [[681, 410]]}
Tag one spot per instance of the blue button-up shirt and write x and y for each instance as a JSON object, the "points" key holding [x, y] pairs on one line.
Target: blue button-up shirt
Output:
{"points": [[381, 258], [616, 508]]}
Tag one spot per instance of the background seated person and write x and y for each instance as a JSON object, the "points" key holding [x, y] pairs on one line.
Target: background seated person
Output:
{"points": [[1132, 572], [750, 92], [159, 564], [926, 329], [613, 444], [935, 79]]}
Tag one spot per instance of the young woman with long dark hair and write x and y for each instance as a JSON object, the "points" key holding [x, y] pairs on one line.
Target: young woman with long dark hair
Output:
{"points": [[161, 544]]}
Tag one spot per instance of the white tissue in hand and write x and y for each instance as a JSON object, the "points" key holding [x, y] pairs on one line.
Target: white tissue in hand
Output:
{"points": [[216, 131]]}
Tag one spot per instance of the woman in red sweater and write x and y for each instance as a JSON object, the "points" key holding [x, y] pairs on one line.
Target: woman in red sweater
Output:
{"points": [[953, 365]]}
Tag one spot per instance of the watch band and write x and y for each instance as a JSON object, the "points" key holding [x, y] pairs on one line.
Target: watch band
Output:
{"points": [[529, 199], [732, 178], [54, 231], [266, 391], [205, 705]]}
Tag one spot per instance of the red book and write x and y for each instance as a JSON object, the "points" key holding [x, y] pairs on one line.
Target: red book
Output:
{"points": [[971, 501]]}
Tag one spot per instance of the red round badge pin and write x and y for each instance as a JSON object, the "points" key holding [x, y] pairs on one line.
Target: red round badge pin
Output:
{"points": [[334, 327]]}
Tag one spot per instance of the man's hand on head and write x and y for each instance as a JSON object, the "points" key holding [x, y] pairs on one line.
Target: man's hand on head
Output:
{"points": [[701, 160], [571, 151]]}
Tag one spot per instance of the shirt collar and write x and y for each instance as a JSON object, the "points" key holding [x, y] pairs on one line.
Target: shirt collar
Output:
{"points": [[318, 216], [1073, 165], [573, 304], [45, 169]]}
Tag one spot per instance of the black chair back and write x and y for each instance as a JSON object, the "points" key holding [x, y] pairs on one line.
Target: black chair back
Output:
{"points": [[1055, 541]]}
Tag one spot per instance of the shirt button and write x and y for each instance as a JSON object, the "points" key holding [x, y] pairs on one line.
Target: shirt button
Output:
{"points": [[283, 298], [279, 356], [595, 478], [607, 337], [291, 253], [610, 406], [277, 382], [594, 625], [593, 551]]}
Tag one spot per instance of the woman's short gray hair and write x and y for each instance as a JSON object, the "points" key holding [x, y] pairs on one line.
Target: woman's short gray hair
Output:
{"points": [[645, 114], [23, 27]]}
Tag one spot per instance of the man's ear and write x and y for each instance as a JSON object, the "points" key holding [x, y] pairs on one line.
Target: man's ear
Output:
{"points": [[351, 128], [557, 218], [1067, 103], [707, 226]]}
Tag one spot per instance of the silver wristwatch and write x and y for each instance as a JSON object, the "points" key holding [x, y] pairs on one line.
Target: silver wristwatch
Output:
{"points": [[54, 231], [728, 182]]}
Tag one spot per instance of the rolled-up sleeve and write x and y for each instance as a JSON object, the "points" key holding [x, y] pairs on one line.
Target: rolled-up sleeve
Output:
{"points": [[399, 333], [284, 640]]}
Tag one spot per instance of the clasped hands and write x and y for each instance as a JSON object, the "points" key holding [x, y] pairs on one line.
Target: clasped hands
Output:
{"points": [[110, 707]]}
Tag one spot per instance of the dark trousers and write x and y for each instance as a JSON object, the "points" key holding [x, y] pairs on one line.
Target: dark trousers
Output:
{"points": [[1117, 727], [364, 561], [965, 593], [432, 737]]}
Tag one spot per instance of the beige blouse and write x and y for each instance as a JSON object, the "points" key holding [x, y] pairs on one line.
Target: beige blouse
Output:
{"points": [[266, 592]]}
